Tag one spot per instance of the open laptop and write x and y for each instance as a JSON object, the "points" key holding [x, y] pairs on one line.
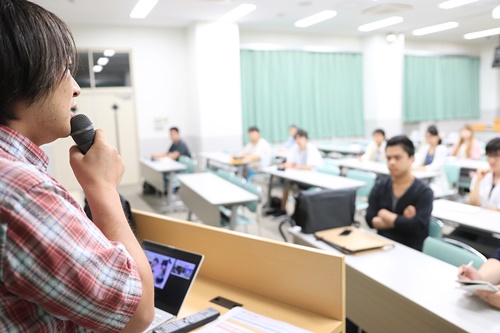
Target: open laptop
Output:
{"points": [[174, 271]]}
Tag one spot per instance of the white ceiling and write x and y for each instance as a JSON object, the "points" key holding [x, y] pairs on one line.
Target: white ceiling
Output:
{"points": [[279, 15]]}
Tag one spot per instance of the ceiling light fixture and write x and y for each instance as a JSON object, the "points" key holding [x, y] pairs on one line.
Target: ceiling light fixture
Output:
{"points": [[315, 19], [238, 12], [381, 24], [435, 28], [483, 33], [143, 8], [496, 12], [103, 61], [455, 3], [109, 53], [97, 68]]}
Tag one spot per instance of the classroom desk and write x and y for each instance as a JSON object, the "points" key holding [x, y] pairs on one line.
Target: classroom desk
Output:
{"points": [[154, 172], [404, 290], [472, 217], [226, 160], [302, 286], [204, 192], [311, 178], [379, 168], [344, 149], [468, 164]]}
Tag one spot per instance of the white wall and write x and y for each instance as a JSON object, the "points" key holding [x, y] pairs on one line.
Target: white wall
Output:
{"points": [[159, 74]]}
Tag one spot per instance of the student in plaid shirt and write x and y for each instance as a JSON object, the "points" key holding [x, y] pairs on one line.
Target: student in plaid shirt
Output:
{"points": [[59, 271]]}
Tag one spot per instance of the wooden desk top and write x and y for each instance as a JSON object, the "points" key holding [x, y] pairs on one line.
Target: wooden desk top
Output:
{"points": [[215, 190], [224, 158], [205, 289], [314, 178], [466, 215]]}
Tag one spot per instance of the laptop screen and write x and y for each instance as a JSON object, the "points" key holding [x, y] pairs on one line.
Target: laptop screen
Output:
{"points": [[174, 271]]}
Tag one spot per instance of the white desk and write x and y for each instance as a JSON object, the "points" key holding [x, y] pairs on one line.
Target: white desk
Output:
{"points": [[311, 178], [344, 149], [467, 164], [379, 168], [154, 173], [404, 290], [204, 192], [226, 159], [466, 215]]}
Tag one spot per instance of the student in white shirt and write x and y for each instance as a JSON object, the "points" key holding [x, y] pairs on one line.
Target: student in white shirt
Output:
{"points": [[376, 149], [258, 150], [304, 156], [484, 191], [431, 157]]}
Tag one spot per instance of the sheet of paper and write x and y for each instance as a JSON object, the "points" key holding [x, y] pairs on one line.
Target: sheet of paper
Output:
{"points": [[239, 320]]}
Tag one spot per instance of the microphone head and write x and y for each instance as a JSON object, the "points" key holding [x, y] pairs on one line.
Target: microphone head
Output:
{"points": [[82, 132]]}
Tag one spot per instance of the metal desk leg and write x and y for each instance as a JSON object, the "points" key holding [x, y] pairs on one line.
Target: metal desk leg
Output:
{"points": [[270, 187], [234, 215], [170, 190]]}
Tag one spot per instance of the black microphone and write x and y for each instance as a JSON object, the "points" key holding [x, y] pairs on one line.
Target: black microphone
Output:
{"points": [[82, 131]]}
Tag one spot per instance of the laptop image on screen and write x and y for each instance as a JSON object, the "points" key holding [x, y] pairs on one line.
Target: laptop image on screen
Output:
{"points": [[174, 271]]}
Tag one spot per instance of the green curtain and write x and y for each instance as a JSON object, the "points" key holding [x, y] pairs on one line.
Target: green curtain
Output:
{"points": [[319, 92], [441, 87]]}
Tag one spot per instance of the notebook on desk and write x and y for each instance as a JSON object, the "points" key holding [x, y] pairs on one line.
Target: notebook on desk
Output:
{"points": [[174, 271], [351, 240]]}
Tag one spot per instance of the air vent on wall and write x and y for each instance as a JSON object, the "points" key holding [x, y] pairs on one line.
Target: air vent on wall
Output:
{"points": [[387, 9]]}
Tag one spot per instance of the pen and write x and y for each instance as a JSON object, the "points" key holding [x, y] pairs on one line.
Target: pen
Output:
{"points": [[465, 268]]}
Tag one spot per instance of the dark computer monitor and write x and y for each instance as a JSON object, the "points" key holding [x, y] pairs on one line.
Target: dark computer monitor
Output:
{"points": [[324, 209]]}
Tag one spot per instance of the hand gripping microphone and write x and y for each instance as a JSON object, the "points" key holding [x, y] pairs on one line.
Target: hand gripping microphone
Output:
{"points": [[82, 131]]}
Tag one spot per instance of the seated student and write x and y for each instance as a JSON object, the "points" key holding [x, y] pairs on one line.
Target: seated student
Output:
{"points": [[178, 147], [467, 146], [258, 150], [376, 149], [304, 156], [489, 271], [290, 141], [400, 205], [431, 157], [485, 193]]}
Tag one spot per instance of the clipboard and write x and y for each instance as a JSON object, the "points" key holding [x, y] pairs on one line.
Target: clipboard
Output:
{"points": [[351, 240]]}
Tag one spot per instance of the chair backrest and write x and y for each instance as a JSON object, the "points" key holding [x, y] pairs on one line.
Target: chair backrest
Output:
{"points": [[189, 162], [455, 254], [255, 189], [436, 228], [452, 174], [329, 169], [226, 174], [366, 176]]}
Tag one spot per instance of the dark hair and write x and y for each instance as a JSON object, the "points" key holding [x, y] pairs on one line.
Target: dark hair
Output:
{"points": [[253, 129], [432, 130], [379, 131], [404, 142], [301, 133], [36, 50], [493, 146], [175, 129]]}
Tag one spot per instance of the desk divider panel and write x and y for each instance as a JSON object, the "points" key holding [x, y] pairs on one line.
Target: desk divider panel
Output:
{"points": [[302, 277]]}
